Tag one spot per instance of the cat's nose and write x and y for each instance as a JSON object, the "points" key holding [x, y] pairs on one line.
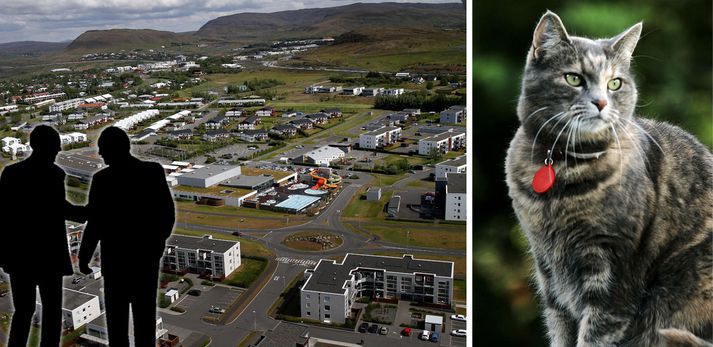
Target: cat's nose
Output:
{"points": [[600, 104]]}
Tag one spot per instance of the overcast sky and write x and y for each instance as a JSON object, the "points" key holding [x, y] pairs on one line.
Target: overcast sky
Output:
{"points": [[61, 20]]}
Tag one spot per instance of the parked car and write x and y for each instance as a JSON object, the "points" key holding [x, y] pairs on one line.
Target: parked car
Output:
{"points": [[384, 331], [216, 309], [77, 280], [363, 327], [425, 335], [459, 317], [373, 328], [435, 336], [237, 233], [194, 292], [406, 332], [459, 332]]}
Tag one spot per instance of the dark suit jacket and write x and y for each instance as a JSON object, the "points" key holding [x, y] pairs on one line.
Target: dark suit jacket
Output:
{"points": [[131, 213], [34, 211]]}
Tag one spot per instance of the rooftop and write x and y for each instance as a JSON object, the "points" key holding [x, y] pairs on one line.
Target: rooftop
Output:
{"points": [[459, 161], [205, 242], [329, 276], [78, 162], [228, 192], [209, 170], [284, 334], [442, 136], [381, 130], [74, 299], [456, 182], [247, 182], [278, 175]]}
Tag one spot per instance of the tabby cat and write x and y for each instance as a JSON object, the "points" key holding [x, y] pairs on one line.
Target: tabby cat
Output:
{"points": [[617, 210]]}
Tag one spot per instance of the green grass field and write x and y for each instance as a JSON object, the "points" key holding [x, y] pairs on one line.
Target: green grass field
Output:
{"points": [[249, 270], [419, 234]]}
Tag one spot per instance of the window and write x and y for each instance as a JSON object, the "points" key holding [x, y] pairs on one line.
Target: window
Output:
{"points": [[327, 316], [307, 296], [326, 299], [307, 305], [309, 313], [326, 307]]}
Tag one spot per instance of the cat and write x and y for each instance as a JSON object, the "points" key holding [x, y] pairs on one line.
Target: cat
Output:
{"points": [[617, 210]]}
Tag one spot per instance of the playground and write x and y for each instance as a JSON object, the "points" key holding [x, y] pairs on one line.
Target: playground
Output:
{"points": [[311, 191]]}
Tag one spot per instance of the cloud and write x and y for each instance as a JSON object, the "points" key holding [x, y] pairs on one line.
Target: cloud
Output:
{"points": [[61, 20]]}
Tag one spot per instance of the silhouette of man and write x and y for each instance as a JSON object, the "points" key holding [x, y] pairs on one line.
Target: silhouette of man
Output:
{"points": [[131, 212], [34, 249]]}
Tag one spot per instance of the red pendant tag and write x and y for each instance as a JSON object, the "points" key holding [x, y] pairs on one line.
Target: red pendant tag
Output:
{"points": [[544, 179]]}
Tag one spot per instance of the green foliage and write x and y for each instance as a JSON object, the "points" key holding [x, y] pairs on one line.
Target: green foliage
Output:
{"points": [[425, 102]]}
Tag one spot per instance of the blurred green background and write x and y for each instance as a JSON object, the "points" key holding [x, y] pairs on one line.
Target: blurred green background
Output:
{"points": [[672, 64]]}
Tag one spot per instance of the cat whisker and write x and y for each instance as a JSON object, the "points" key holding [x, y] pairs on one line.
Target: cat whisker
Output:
{"points": [[645, 133], [569, 135], [533, 113], [636, 147], [559, 134], [557, 116]]}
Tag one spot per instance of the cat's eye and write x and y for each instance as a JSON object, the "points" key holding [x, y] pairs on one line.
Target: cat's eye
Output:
{"points": [[573, 79], [614, 84]]}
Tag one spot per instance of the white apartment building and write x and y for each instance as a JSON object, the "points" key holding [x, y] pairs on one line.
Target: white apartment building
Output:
{"points": [[456, 165], [331, 288], [456, 208], [131, 121], [79, 308], [74, 137], [98, 335], [453, 115], [379, 138], [14, 146], [444, 142], [202, 255], [66, 105]]}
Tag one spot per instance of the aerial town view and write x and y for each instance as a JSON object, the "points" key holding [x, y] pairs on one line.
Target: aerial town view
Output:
{"points": [[317, 159]]}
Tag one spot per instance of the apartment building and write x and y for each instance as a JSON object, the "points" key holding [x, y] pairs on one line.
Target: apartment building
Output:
{"points": [[79, 308], [444, 142], [455, 207], [331, 288], [201, 255], [456, 165], [453, 115], [66, 105], [379, 138]]}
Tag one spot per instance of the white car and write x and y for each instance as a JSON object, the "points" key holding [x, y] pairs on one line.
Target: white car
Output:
{"points": [[459, 317], [459, 332], [425, 335]]}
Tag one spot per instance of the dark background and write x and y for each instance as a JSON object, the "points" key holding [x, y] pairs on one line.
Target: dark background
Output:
{"points": [[672, 64]]}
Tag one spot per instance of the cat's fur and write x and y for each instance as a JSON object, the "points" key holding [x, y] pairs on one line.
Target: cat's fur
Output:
{"points": [[622, 243]]}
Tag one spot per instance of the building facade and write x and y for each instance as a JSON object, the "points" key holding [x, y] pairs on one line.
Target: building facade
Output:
{"points": [[201, 255], [455, 207], [331, 288], [380, 138], [457, 165], [443, 142]]}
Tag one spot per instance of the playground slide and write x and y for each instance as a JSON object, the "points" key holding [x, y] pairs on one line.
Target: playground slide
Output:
{"points": [[321, 181]]}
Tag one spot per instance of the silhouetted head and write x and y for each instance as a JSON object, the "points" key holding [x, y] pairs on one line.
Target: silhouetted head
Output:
{"points": [[114, 145], [45, 143]]}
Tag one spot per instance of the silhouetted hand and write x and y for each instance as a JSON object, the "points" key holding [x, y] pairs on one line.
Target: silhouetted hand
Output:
{"points": [[84, 269]]}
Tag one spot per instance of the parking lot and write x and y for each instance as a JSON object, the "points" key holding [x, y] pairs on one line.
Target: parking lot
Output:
{"points": [[200, 306], [403, 315]]}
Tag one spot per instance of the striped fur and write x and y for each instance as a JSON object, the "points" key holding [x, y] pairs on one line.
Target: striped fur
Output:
{"points": [[622, 244]]}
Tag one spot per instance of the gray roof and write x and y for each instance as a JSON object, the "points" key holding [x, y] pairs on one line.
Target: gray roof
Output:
{"points": [[255, 132], [181, 132], [80, 163], [74, 299], [329, 276], [284, 127], [284, 335], [381, 130], [251, 119], [302, 121], [460, 161], [217, 132], [100, 321], [207, 171], [248, 182], [435, 129], [456, 182], [217, 119], [442, 136], [190, 242]]}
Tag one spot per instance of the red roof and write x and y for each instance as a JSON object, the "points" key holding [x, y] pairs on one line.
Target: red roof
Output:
{"points": [[92, 105]]}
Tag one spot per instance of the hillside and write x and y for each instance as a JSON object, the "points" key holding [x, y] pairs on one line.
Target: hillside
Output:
{"points": [[31, 47], [333, 21], [435, 50], [98, 40]]}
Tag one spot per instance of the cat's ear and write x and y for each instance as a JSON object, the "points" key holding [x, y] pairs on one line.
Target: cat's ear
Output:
{"points": [[549, 32], [623, 44]]}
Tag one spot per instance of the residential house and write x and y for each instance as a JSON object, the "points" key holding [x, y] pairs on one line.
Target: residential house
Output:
{"points": [[393, 92], [453, 115], [444, 142], [249, 123], [234, 112], [285, 130], [267, 111], [304, 123], [318, 118], [206, 256], [216, 123], [180, 135], [352, 90], [372, 91], [216, 135], [254, 135], [333, 112]]}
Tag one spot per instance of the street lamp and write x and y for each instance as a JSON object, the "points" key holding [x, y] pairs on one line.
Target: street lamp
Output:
{"points": [[254, 321], [284, 285]]}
